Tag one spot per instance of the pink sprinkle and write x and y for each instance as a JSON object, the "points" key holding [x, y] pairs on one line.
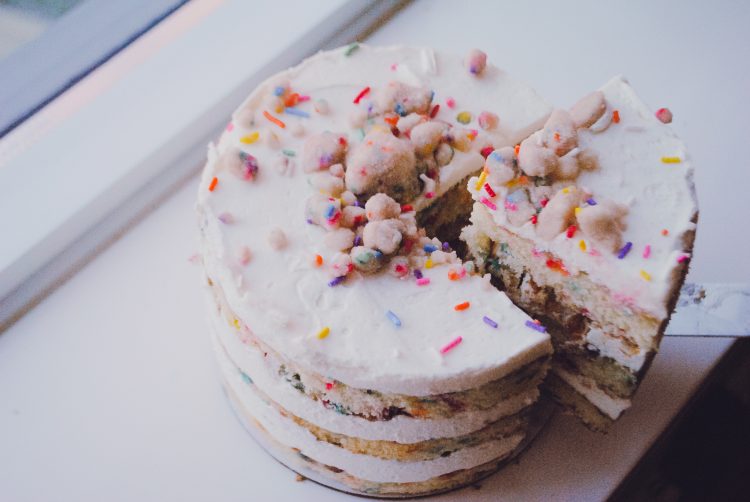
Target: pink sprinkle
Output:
{"points": [[664, 115], [647, 251], [394, 66], [450, 102], [244, 255], [429, 195], [536, 253], [487, 202], [594, 252], [230, 127], [451, 345], [424, 281], [302, 99], [329, 386], [510, 206], [683, 258]]}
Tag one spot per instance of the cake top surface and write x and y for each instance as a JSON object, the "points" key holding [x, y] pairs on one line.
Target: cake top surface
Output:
{"points": [[630, 227], [427, 327]]}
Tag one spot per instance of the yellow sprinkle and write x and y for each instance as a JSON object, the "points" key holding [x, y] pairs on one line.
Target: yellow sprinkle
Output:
{"points": [[481, 180], [324, 332], [645, 275], [236, 323], [582, 245], [566, 190], [428, 263], [671, 160], [250, 138], [578, 211]]}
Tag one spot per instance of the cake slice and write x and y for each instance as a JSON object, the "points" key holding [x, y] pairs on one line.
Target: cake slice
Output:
{"points": [[588, 225]]}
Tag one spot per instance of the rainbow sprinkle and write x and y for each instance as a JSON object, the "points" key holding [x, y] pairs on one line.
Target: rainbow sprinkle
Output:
{"points": [[393, 318], [429, 248], [423, 281], [250, 138], [489, 322], [361, 95], [463, 117], [323, 332], [298, 113], [213, 184], [671, 160], [487, 202], [289, 153], [481, 180], [647, 251], [616, 116], [682, 258], [645, 275], [536, 326], [351, 49], [273, 119], [335, 282], [462, 306], [625, 250], [318, 260], [428, 263], [489, 190], [451, 345], [582, 245]]}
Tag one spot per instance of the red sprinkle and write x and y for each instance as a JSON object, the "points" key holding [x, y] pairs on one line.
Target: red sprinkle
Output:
{"points": [[407, 208], [486, 151], [434, 111], [489, 190], [534, 219], [616, 117], [342, 141], [273, 119], [361, 95], [213, 184], [571, 231], [544, 202], [665, 232], [429, 195], [556, 265], [462, 306], [664, 115], [329, 386]]}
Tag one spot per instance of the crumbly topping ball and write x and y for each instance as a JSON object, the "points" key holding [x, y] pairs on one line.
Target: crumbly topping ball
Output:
{"points": [[383, 163], [588, 109], [399, 266], [567, 168], [559, 133], [327, 183], [443, 154], [520, 212], [535, 159], [366, 260], [352, 216], [410, 224], [559, 213], [407, 123], [404, 99], [340, 239], [323, 150], [323, 211], [383, 235], [340, 265], [501, 166], [427, 136], [382, 207], [476, 61], [488, 121], [604, 223]]}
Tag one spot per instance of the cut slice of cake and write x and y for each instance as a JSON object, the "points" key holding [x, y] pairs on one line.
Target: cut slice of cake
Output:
{"points": [[588, 225], [358, 347]]}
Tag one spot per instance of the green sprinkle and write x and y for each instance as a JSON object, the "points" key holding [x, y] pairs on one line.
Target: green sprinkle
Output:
{"points": [[351, 48], [288, 153], [361, 133]]}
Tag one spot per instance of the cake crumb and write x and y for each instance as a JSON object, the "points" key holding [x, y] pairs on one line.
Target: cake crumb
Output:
{"points": [[299, 478]]}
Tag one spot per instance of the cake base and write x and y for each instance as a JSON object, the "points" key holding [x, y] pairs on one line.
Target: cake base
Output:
{"points": [[312, 470]]}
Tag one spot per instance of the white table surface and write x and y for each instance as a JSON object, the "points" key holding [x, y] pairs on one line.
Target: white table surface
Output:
{"points": [[108, 388]]}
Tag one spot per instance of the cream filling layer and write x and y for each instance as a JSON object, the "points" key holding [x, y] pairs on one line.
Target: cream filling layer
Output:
{"points": [[366, 467], [610, 406], [615, 349], [401, 429]]}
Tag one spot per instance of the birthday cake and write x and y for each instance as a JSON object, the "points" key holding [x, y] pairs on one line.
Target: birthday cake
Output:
{"points": [[356, 344]]}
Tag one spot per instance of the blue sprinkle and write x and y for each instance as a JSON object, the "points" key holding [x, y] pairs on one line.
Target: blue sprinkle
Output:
{"points": [[536, 327], [429, 248], [394, 318], [357, 240], [417, 273], [295, 111], [329, 212], [591, 202], [625, 250], [336, 281], [496, 156], [357, 203], [446, 246], [246, 378], [378, 254], [432, 95], [279, 91], [489, 321], [517, 196], [400, 109]]}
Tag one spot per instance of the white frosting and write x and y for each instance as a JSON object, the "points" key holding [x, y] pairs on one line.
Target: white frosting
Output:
{"points": [[610, 406], [659, 196], [285, 300], [608, 346], [400, 428], [366, 467]]}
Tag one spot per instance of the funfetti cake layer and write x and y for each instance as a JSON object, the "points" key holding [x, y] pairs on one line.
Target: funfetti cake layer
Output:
{"points": [[308, 209], [589, 227]]}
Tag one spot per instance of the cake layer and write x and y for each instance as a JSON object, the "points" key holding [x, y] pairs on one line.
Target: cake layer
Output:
{"points": [[262, 253], [324, 411], [366, 467]]}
